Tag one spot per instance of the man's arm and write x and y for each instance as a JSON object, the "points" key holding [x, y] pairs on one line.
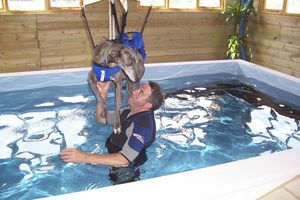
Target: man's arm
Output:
{"points": [[73, 155]]}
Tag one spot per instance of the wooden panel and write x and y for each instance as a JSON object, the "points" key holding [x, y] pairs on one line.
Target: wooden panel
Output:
{"points": [[19, 48], [17, 23], [276, 36], [276, 42], [183, 57], [15, 64], [282, 53], [277, 20], [63, 65], [276, 45], [277, 60], [52, 60], [71, 34], [64, 41], [265, 61], [60, 40], [18, 38]]}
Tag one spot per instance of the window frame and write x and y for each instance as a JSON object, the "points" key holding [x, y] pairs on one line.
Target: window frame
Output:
{"points": [[63, 8], [3, 6], [263, 9], [198, 8], [48, 9]]}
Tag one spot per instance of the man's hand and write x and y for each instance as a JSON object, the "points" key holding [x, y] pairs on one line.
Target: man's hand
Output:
{"points": [[73, 155]]}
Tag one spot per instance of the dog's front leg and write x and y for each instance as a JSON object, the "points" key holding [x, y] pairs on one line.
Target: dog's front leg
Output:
{"points": [[119, 99], [92, 80]]}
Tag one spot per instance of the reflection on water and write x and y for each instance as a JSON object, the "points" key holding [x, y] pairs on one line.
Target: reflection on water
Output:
{"points": [[188, 112], [197, 127], [33, 131], [200, 127]]}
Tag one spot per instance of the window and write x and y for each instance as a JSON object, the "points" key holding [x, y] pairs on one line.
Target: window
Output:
{"points": [[42, 5], [25, 5], [284, 7], [155, 3], [64, 3], [293, 6], [274, 4], [210, 3], [86, 2], [183, 4]]}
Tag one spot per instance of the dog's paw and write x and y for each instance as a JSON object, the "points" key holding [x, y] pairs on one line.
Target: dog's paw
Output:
{"points": [[117, 130]]}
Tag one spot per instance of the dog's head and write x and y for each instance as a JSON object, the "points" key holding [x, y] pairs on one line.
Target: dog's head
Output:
{"points": [[112, 54], [129, 62]]}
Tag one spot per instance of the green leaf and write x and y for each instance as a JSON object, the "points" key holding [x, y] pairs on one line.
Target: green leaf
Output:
{"points": [[233, 55], [234, 13]]}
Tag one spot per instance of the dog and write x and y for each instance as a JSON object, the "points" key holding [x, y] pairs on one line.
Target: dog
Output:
{"points": [[110, 54], [124, 56]]}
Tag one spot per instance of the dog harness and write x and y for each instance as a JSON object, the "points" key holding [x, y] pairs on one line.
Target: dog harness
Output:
{"points": [[136, 41], [103, 74]]}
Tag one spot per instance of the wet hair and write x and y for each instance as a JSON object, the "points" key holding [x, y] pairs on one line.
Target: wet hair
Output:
{"points": [[157, 95]]}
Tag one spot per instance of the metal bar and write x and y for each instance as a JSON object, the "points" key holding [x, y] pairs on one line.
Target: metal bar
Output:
{"points": [[87, 26]]}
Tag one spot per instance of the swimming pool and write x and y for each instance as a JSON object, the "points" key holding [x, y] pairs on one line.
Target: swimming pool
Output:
{"points": [[78, 102]]}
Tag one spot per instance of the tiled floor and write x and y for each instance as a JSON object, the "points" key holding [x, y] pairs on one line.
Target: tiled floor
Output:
{"points": [[289, 190]]}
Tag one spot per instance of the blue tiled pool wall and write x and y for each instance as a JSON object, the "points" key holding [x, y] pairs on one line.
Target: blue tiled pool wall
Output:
{"points": [[38, 80], [262, 78], [275, 84]]}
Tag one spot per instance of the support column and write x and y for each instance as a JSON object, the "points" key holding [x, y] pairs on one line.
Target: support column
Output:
{"points": [[112, 24]]}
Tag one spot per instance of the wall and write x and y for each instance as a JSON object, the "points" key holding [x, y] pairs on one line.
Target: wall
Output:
{"points": [[275, 41], [183, 36], [50, 40], [60, 40]]}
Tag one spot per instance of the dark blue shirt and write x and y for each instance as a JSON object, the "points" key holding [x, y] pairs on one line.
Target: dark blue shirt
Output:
{"points": [[138, 132]]}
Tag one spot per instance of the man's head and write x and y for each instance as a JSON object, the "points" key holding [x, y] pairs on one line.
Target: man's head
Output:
{"points": [[149, 96], [157, 96]]}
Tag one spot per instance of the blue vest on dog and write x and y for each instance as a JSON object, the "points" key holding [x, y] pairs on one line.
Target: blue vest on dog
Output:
{"points": [[103, 74], [136, 42]]}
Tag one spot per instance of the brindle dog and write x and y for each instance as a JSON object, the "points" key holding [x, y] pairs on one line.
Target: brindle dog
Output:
{"points": [[110, 54]]}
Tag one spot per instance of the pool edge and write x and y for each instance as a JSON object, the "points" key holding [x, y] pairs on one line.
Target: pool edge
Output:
{"points": [[244, 179]]}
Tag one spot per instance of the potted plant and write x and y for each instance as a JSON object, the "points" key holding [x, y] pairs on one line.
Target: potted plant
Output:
{"points": [[238, 13]]}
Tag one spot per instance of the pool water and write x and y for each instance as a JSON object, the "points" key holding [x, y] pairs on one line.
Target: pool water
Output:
{"points": [[203, 123]]}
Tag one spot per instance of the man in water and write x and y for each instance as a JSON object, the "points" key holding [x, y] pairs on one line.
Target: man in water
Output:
{"points": [[127, 150]]}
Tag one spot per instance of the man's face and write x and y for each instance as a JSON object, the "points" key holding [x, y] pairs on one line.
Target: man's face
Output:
{"points": [[138, 98]]}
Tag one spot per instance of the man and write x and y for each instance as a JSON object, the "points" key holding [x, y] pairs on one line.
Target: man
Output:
{"points": [[138, 130]]}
